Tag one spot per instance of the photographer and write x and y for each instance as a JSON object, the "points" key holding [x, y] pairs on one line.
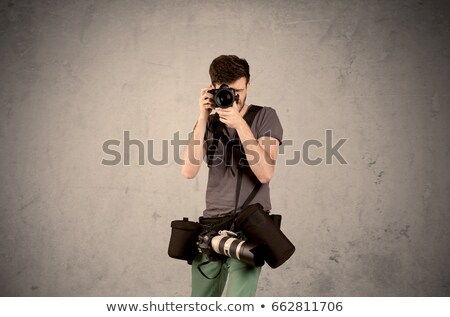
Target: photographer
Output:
{"points": [[260, 143]]}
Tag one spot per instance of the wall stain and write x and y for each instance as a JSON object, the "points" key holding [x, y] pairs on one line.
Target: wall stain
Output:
{"points": [[383, 270], [393, 232], [426, 197], [379, 178], [404, 232], [322, 285], [435, 107], [32, 201], [335, 256], [155, 216], [379, 201]]}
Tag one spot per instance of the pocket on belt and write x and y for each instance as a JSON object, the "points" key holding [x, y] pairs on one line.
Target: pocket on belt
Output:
{"points": [[183, 239], [258, 226]]}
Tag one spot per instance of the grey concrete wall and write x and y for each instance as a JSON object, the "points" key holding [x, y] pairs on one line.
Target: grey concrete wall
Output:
{"points": [[75, 74]]}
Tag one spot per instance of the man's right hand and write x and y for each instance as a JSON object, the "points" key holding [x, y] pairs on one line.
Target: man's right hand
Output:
{"points": [[205, 102]]}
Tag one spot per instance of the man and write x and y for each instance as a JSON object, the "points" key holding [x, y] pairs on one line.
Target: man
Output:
{"points": [[260, 143]]}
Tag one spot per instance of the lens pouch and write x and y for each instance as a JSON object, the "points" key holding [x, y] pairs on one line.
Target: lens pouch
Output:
{"points": [[257, 225], [183, 239]]}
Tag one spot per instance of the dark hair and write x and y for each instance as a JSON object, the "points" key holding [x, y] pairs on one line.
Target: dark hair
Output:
{"points": [[226, 69]]}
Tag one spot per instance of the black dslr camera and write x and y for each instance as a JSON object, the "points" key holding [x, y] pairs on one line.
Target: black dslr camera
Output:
{"points": [[225, 96]]}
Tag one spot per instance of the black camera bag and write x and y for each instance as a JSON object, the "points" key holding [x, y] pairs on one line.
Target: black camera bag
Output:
{"points": [[259, 227], [183, 239]]}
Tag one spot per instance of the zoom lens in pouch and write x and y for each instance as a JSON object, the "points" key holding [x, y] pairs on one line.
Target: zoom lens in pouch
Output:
{"points": [[258, 227], [183, 239]]}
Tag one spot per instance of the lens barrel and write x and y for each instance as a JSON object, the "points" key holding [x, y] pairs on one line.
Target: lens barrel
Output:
{"points": [[224, 98], [244, 251]]}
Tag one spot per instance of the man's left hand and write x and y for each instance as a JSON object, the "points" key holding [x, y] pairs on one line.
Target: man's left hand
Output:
{"points": [[230, 116]]}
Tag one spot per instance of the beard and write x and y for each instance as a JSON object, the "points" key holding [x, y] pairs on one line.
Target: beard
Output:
{"points": [[241, 102]]}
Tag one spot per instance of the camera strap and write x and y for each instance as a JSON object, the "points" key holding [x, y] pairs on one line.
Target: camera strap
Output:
{"points": [[238, 190]]}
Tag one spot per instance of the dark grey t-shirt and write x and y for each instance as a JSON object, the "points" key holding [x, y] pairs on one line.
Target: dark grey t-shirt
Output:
{"points": [[221, 189]]}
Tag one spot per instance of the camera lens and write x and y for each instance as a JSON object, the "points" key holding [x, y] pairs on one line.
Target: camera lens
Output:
{"points": [[224, 98], [244, 251]]}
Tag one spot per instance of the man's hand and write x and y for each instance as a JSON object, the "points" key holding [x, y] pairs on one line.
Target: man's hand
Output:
{"points": [[231, 116], [205, 102]]}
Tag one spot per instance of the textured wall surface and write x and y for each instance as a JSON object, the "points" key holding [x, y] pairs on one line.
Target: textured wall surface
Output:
{"points": [[75, 74]]}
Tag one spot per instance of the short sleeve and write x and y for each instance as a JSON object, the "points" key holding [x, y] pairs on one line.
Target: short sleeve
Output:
{"points": [[268, 124]]}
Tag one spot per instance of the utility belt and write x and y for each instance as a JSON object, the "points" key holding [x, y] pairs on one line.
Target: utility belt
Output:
{"points": [[220, 223], [264, 241], [227, 222]]}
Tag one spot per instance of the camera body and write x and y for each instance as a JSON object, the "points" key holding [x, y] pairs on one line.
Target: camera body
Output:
{"points": [[224, 243], [225, 96], [204, 242]]}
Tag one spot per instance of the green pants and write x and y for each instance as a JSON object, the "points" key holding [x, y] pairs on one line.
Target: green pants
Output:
{"points": [[242, 278]]}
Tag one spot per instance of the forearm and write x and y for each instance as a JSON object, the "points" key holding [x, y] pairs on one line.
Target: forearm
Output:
{"points": [[193, 153], [262, 165]]}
